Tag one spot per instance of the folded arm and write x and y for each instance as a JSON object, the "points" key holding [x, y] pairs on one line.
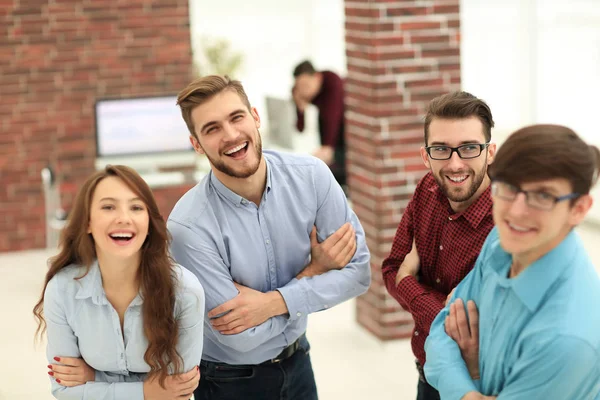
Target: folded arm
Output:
{"points": [[63, 342], [192, 251], [319, 292]]}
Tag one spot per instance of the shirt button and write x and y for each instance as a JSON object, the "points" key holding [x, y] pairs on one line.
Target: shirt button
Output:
{"points": [[268, 241], [416, 333], [438, 280], [244, 202], [298, 314], [441, 247], [450, 218]]}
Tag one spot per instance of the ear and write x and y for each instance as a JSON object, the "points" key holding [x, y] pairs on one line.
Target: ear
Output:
{"points": [[425, 157], [580, 209], [255, 116], [491, 153], [196, 144]]}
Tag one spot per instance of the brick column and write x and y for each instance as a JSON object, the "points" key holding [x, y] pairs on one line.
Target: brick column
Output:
{"points": [[56, 59], [400, 55]]}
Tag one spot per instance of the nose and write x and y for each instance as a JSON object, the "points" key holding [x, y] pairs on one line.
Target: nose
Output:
{"points": [[455, 162], [519, 206], [123, 216], [230, 133]]}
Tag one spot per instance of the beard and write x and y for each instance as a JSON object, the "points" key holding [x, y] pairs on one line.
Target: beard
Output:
{"points": [[221, 165], [460, 194]]}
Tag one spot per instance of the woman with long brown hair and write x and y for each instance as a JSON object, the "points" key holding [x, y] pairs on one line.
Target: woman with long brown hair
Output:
{"points": [[123, 321]]}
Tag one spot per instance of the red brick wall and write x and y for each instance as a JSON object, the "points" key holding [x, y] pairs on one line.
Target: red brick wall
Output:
{"points": [[56, 58], [400, 54]]}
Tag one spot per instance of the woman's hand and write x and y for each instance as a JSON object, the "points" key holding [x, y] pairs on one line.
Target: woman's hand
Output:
{"points": [[71, 371]]}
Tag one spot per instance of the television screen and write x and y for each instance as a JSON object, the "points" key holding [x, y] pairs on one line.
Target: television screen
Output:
{"points": [[140, 126]]}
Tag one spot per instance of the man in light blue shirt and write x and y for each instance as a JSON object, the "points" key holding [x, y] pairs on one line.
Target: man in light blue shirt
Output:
{"points": [[532, 327], [246, 231]]}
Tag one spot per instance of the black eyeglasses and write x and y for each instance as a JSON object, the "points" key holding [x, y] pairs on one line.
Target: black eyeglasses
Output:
{"points": [[465, 151], [539, 200]]}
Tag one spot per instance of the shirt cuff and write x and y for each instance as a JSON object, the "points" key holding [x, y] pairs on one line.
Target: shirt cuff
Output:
{"points": [[129, 390], [455, 383], [409, 289], [294, 296]]}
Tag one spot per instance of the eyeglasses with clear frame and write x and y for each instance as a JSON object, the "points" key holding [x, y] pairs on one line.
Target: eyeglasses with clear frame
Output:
{"points": [[534, 199], [465, 151]]}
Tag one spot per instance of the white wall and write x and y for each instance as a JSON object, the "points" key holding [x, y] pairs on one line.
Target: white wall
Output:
{"points": [[535, 61], [274, 37]]}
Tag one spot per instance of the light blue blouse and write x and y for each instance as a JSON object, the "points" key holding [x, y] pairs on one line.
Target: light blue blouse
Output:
{"points": [[82, 323]]}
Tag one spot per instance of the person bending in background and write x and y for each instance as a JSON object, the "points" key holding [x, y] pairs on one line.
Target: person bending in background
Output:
{"points": [[324, 89], [532, 326], [122, 319]]}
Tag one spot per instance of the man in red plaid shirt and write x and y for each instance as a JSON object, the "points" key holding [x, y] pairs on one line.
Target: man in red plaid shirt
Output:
{"points": [[448, 218]]}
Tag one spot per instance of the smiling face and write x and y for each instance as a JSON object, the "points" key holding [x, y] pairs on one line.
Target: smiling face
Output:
{"points": [[227, 133], [528, 233], [118, 220], [461, 180]]}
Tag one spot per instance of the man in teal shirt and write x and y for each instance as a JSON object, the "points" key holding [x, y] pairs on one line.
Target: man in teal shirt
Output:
{"points": [[532, 326]]}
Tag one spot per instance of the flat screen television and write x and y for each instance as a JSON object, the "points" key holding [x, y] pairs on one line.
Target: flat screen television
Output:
{"points": [[143, 132]]}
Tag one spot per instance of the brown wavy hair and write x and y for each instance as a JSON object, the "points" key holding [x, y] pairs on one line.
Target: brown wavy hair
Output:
{"points": [[156, 273]]}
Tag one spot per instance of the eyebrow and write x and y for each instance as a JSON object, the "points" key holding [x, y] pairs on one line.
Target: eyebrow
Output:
{"points": [[461, 143], [211, 123], [115, 200], [546, 189]]}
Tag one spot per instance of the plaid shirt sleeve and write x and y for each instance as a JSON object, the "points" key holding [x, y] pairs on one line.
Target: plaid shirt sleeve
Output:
{"points": [[422, 301]]}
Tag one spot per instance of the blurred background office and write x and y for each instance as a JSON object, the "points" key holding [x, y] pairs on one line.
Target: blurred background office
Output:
{"points": [[80, 79]]}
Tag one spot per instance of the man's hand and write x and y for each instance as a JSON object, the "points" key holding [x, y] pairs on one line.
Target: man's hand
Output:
{"points": [[477, 396], [410, 265], [325, 154], [465, 333], [449, 297], [71, 371], [177, 387], [335, 252], [301, 104], [248, 309]]}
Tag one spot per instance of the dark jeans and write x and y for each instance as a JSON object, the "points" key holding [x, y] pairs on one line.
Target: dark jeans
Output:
{"points": [[427, 392], [290, 379]]}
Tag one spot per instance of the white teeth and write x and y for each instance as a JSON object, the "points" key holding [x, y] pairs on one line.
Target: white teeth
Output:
{"points": [[457, 179], [518, 228], [237, 148], [122, 235]]}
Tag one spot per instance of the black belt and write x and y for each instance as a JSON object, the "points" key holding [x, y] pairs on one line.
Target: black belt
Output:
{"points": [[285, 353]]}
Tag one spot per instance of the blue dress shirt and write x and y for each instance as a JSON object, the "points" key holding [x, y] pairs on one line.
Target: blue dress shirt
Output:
{"points": [[224, 238], [82, 323], [539, 333]]}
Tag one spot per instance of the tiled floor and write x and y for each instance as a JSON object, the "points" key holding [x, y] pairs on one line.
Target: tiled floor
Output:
{"points": [[349, 363]]}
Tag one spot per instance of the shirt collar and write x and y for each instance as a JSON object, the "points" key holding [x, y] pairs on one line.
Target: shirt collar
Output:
{"points": [[235, 198], [535, 281], [475, 213], [91, 287]]}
